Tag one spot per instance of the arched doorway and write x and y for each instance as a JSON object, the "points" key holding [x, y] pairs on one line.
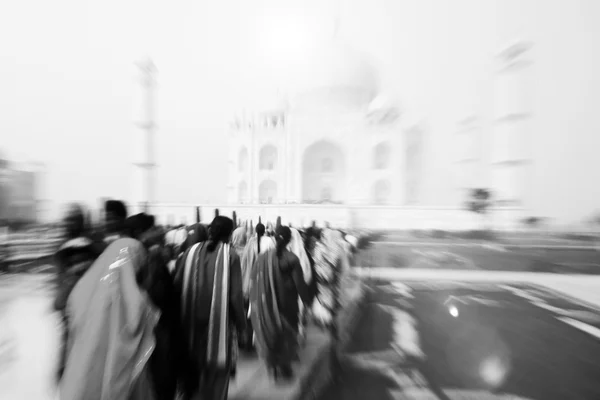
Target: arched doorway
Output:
{"points": [[268, 158], [323, 173], [381, 156], [242, 192], [267, 191], [381, 192]]}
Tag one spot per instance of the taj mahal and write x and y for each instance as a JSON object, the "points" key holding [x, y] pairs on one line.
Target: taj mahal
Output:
{"points": [[338, 138], [338, 141], [337, 146]]}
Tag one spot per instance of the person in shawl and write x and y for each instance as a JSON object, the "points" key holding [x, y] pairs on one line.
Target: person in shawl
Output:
{"points": [[238, 240], [212, 313], [73, 259], [156, 280], [111, 329], [238, 243], [296, 246], [329, 261], [257, 245], [277, 282]]}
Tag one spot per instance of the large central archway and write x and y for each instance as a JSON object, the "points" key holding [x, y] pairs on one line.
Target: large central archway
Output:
{"points": [[323, 173]]}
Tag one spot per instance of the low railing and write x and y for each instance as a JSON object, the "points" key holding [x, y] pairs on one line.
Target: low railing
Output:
{"points": [[344, 216]]}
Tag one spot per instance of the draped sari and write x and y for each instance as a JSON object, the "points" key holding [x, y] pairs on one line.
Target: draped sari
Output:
{"points": [[210, 287], [238, 240], [111, 328], [250, 256], [276, 285]]}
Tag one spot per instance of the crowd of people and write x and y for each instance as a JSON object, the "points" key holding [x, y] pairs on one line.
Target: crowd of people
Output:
{"points": [[162, 313]]}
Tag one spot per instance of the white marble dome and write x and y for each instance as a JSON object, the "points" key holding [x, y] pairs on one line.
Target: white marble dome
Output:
{"points": [[334, 73]]}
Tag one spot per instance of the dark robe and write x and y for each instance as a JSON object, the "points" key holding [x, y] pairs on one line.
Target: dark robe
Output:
{"points": [[197, 275], [276, 284], [156, 280]]}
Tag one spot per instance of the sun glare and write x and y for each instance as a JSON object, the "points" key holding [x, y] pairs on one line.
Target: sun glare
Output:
{"points": [[453, 311], [284, 41]]}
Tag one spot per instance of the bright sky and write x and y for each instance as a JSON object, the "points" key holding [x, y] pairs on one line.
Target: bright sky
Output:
{"points": [[68, 82]]}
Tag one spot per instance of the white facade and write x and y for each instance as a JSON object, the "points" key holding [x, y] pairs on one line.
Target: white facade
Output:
{"points": [[335, 140]]}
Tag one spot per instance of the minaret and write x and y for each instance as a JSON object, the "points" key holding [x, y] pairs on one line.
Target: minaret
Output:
{"points": [[144, 159], [511, 145]]}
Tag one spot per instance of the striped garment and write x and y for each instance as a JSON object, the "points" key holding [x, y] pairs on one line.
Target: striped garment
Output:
{"points": [[219, 353], [276, 338]]}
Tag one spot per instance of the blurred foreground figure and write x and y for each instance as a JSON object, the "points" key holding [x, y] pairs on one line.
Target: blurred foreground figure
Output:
{"points": [[258, 244], [296, 246], [277, 282], [330, 263], [329, 253], [154, 278], [111, 330], [72, 259], [212, 313]]}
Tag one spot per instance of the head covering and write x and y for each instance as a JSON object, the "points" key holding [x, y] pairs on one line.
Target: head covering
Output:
{"points": [[296, 246], [116, 208], [260, 229], [220, 229], [194, 234], [238, 240], [138, 223], [113, 323]]}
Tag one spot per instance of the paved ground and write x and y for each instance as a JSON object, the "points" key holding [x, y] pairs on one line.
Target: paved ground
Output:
{"points": [[28, 338], [465, 256], [28, 329], [423, 340]]}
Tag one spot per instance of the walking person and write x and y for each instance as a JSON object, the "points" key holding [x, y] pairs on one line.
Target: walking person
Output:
{"points": [[330, 265], [111, 329], [296, 246], [73, 259], [212, 313], [155, 279], [258, 244], [277, 283]]}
